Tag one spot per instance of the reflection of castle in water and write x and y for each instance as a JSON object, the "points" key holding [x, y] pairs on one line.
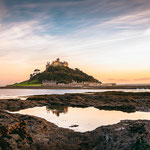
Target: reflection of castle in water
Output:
{"points": [[57, 110]]}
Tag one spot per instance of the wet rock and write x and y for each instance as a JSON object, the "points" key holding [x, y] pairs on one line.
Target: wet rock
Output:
{"points": [[28, 132], [73, 126], [123, 101]]}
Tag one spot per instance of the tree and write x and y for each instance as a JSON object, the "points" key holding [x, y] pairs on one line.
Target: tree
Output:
{"points": [[36, 71]]}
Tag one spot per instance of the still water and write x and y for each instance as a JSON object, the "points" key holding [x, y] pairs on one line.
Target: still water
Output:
{"points": [[17, 93], [84, 119]]}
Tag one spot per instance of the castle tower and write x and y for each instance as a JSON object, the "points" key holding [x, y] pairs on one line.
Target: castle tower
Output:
{"points": [[57, 62]]}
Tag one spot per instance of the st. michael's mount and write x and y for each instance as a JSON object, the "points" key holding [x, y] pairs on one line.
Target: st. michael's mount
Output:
{"points": [[59, 74]]}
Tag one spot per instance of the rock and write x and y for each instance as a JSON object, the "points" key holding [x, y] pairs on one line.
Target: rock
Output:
{"points": [[28, 132], [123, 101], [73, 126]]}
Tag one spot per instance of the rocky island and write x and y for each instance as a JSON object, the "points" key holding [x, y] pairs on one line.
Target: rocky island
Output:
{"points": [[58, 74], [28, 132]]}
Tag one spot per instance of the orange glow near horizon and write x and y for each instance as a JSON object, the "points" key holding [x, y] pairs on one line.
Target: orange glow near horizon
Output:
{"points": [[21, 72]]}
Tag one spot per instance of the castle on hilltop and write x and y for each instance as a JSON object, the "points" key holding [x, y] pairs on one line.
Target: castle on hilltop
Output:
{"points": [[56, 63]]}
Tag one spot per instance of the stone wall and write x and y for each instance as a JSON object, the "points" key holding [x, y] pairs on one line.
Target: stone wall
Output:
{"points": [[72, 84]]}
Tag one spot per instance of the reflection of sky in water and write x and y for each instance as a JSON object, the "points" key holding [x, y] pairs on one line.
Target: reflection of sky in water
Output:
{"points": [[87, 118], [16, 93]]}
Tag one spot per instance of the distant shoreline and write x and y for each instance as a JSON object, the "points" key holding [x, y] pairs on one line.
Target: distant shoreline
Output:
{"points": [[100, 87]]}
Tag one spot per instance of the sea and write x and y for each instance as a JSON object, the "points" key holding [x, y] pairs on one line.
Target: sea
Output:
{"points": [[22, 93]]}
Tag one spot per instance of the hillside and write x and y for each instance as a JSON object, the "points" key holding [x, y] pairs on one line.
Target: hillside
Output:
{"points": [[62, 74]]}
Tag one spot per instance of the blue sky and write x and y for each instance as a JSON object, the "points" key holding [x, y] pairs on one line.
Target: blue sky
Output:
{"points": [[108, 39]]}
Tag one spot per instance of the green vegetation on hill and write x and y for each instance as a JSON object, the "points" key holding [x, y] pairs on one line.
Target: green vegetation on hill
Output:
{"points": [[26, 83], [62, 74]]}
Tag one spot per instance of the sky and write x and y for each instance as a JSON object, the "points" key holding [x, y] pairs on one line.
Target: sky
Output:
{"points": [[108, 39]]}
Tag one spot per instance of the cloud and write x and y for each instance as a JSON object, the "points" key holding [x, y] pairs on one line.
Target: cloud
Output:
{"points": [[142, 79], [118, 80], [3, 11], [107, 34], [20, 41], [87, 36], [49, 4]]}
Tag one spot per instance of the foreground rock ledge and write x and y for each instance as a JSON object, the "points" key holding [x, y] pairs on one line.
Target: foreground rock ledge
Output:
{"points": [[28, 132]]}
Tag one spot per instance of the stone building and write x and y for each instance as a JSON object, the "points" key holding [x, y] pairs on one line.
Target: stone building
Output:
{"points": [[72, 84], [56, 63], [49, 83]]}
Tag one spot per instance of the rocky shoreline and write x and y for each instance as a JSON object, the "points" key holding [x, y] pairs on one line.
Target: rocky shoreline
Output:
{"points": [[28, 132], [123, 101]]}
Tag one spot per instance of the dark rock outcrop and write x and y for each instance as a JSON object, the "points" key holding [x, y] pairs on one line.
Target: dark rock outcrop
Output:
{"points": [[124, 101], [27, 132]]}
